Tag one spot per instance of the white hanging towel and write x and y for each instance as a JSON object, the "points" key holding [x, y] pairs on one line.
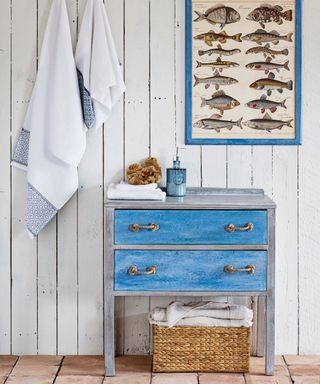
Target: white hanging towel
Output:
{"points": [[99, 71], [53, 138]]}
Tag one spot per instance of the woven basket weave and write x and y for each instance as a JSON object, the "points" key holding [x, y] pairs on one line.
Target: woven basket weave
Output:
{"points": [[201, 349]]}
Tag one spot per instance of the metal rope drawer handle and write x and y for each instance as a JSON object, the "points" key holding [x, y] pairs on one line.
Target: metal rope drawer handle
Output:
{"points": [[249, 269], [150, 227], [232, 228], [133, 270]]}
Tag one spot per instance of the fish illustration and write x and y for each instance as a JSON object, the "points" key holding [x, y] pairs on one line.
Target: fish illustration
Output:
{"points": [[263, 103], [218, 64], [267, 51], [267, 123], [219, 51], [219, 14], [222, 37], [214, 122], [268, 66], [220, 101], [217, 80], [270, 84], [268, 13], [261, 36]]}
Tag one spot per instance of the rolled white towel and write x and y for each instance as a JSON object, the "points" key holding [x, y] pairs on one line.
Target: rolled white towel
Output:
{"points": [[117, 194], [158, 314], [123, 186]]}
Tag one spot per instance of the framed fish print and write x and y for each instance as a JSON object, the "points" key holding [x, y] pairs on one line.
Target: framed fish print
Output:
{"points": [[243, 72]]}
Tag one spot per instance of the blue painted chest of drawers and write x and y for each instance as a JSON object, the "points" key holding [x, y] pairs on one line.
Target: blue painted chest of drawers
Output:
{"points": [[211, 242]]}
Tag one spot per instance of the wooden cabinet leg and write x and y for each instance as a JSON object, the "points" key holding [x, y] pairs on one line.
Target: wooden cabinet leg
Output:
{"points": [[270, 333], [109, 324]]}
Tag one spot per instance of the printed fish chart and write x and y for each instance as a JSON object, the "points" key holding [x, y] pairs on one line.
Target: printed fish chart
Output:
{"points": [[243, 72]]}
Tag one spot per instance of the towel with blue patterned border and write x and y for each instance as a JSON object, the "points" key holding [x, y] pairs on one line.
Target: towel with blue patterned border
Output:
{"points": [[100, 74], [53, 138]]}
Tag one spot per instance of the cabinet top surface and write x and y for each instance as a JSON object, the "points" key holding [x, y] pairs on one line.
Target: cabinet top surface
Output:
{"points": [[203, 198]]}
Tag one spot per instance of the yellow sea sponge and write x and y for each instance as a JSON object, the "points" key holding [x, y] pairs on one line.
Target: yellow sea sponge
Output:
{"points": [[147, 173]]}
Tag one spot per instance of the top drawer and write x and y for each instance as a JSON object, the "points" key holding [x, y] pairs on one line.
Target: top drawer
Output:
{"points": [[190, 227]]}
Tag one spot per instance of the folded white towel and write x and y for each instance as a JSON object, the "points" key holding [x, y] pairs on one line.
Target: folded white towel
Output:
{"points": [[178, 311], [53, 138], [117, 194], [129, 187], [203, 321], [99, 72]]}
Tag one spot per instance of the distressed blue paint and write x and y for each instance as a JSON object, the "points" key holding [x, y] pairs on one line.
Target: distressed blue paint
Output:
{"points": [[190, 227], [190, 271], [188, 92]]}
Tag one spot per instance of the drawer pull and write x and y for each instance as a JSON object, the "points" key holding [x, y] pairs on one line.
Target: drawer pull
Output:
{"points": [[232, 228], [133, 270], [137, 227], [249, 269]]}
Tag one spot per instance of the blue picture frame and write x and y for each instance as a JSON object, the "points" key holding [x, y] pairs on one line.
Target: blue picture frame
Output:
{"points": [[189, 86]]}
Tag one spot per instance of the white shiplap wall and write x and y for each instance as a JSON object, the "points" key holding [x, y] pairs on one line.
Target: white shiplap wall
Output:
{"points": [[51, 288]]}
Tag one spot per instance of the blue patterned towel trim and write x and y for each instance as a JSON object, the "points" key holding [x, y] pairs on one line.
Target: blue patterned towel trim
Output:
{"points": [[39, 211], [21, 152], [88, 112]]}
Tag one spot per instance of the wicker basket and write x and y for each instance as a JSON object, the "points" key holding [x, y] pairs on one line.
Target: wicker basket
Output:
{"points": [[201, 349]]}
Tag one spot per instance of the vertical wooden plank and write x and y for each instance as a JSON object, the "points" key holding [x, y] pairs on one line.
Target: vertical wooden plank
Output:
{"points": [[136, 331], [46, 247], [137, 141], [191, 156], [90, 241], [113, 132], [162, 82], [137, 70], [262, 168], [5, 179], [67, 281], [24, 250], [114, 142], [239, 166], [214, 166], [90, 247], [285, 195], [119, 325], [309, 189], [67, 261]]}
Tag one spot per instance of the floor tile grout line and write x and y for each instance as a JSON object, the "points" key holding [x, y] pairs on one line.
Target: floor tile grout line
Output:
{"points": [[15, 363], [287, 366], [59, 369], [288, 370]]}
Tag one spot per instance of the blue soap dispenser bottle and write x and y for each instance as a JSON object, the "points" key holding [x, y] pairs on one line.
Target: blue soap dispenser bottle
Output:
{"points": [[176, 179]]}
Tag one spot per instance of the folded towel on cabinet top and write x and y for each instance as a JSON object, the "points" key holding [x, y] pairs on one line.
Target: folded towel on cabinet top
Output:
{"points": [[114, 193], [130, 187]]}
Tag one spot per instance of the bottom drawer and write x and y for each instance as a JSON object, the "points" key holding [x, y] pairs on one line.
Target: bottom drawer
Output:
{"points": [[190, 270]]}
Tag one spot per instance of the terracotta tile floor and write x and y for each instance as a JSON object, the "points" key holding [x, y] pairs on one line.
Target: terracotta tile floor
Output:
{"points": [[137, 370]]}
